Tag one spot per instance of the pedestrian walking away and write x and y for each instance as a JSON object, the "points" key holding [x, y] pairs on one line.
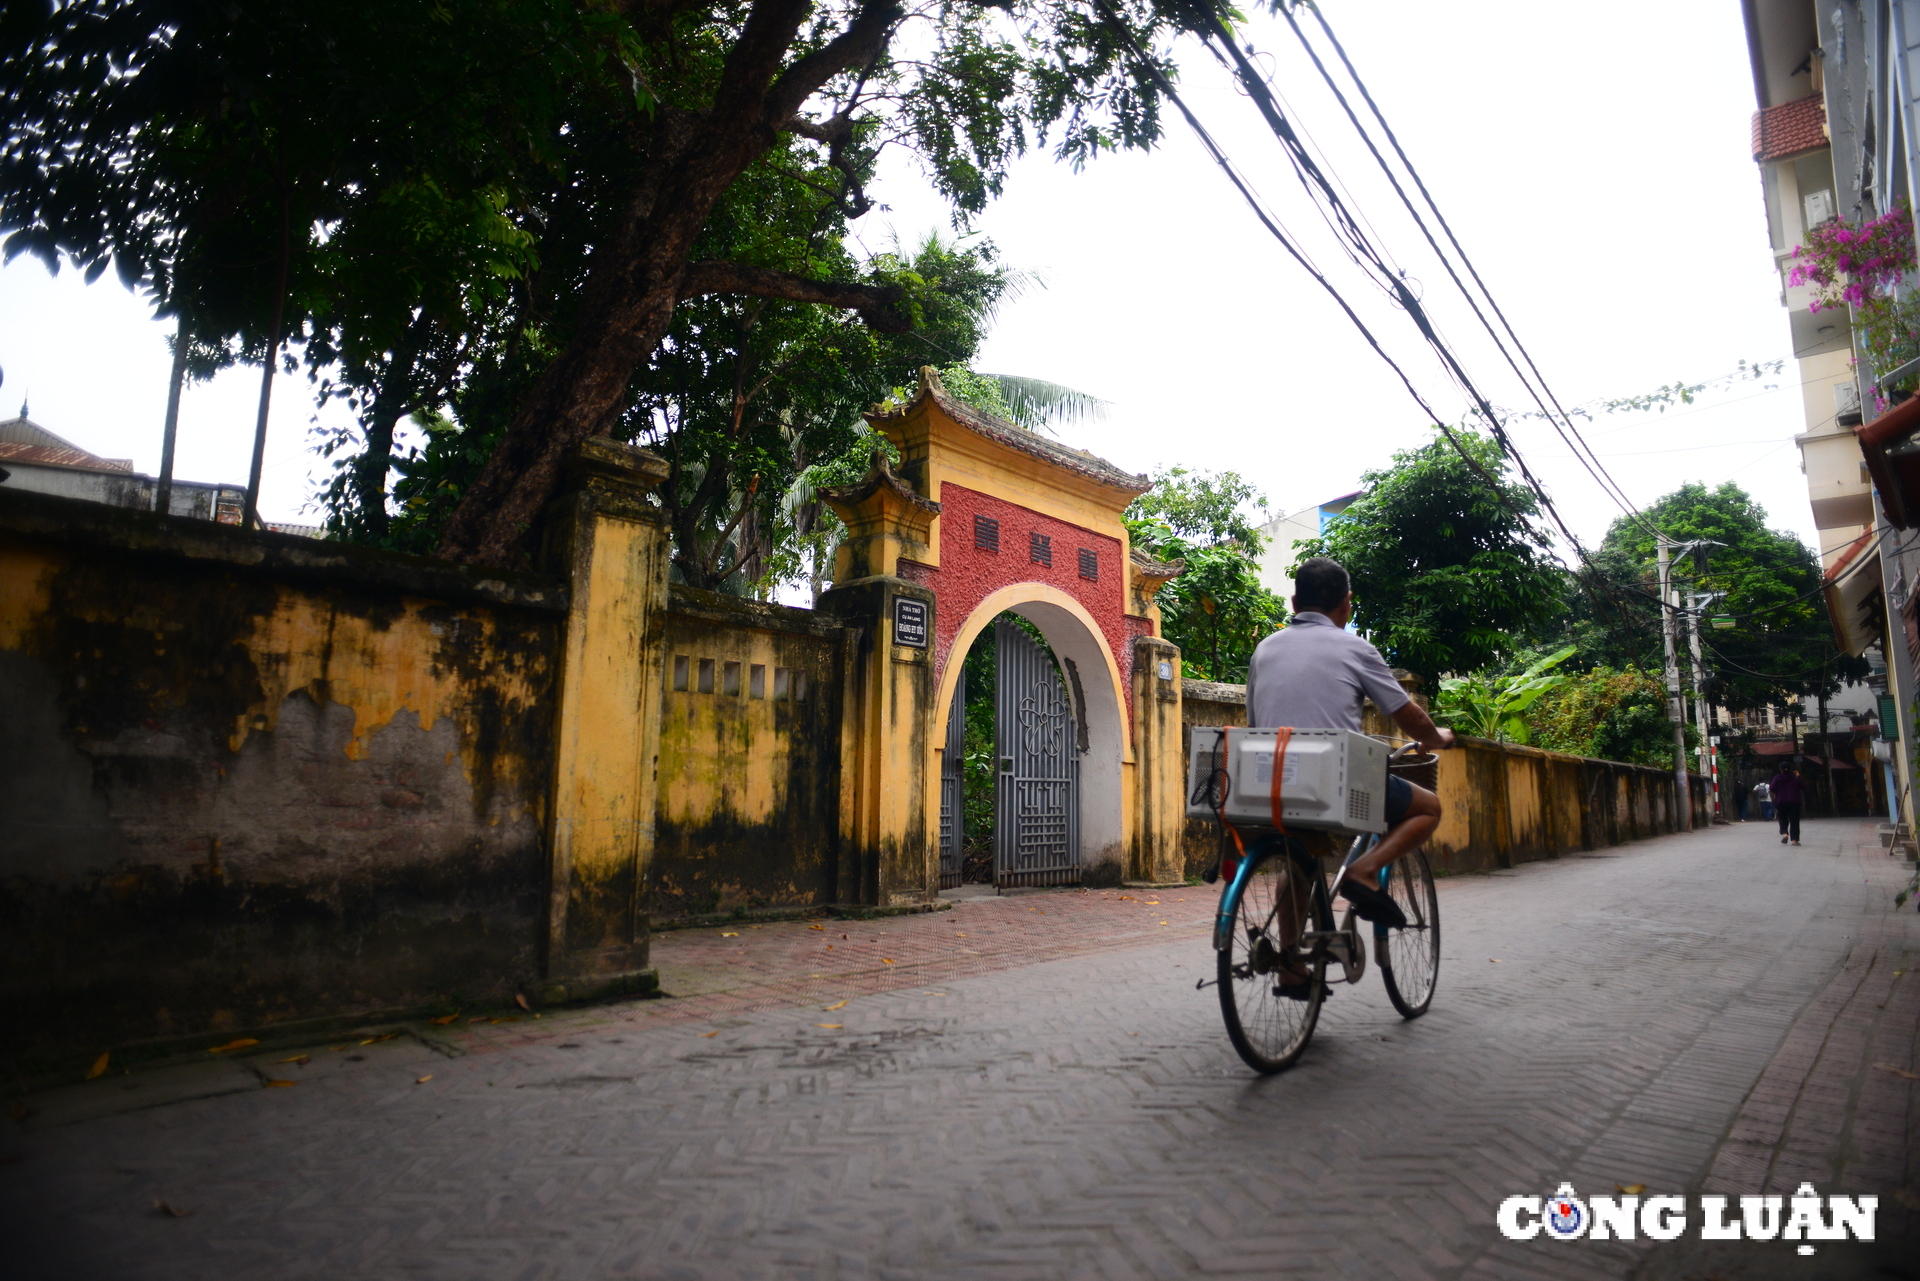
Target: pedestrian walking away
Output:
{"points": [[1785, 788], [1763, 797], [1740, 790]]}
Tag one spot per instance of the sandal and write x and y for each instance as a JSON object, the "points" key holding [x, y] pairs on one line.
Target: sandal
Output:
{"points": [[1373, 905]]}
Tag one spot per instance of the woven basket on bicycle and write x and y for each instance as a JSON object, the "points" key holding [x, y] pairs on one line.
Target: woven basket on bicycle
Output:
{"points": [[1422, 770]]}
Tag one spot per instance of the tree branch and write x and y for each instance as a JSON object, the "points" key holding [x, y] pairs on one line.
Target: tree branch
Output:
{"points": [[863, 40], [878, 305]]}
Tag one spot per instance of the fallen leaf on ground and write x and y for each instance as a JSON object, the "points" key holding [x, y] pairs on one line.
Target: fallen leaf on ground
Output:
{"points": [[830, 1008], [240, 1044], [829, 1025], [829, 947], [959, 934], [1163, 922], [816, 927], [1898, 1071], [99, 1067], [521, 1001], [506, 1018], [279, 1083], [337, 1048], [171, 1211], [445, 1019], [422, 1080], [710, 1034], [1494, 959], [375, 1040], [479, 1018], [729, 934], [886, 960], [1126, 898], [1630, 1189], [933, 994], [301, 1059], [1153, 902]]}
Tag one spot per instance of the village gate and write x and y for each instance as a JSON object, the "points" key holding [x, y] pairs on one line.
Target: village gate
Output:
{"points": [[977, 520]]}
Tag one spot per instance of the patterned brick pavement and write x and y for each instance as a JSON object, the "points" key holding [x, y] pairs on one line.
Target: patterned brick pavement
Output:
{"points": [[1058, 1102]]}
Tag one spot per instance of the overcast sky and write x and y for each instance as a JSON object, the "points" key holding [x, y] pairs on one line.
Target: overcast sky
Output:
{"points": [[1593, 161]]}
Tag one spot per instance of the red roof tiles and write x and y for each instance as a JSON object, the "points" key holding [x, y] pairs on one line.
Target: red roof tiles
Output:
{"points": [[55, 456], [1790, 128]]}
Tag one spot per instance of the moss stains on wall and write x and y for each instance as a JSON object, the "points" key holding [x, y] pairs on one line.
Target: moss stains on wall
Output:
{"points": [[749, 774], [234, 798]]}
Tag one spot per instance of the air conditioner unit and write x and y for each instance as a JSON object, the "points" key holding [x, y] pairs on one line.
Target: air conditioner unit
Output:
{"points": [[1330, 779], [1819, 207]]}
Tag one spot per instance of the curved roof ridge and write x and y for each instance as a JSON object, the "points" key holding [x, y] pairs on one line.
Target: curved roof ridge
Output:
{"points": [[999, 430]]}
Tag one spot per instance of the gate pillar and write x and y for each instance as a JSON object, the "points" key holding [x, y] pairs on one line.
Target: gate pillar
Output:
{"points": [[611, 544], [1160, 767], [890, 809]]}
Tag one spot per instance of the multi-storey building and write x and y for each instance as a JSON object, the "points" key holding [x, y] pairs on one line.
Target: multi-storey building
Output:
{"points": [[1834, 136]]}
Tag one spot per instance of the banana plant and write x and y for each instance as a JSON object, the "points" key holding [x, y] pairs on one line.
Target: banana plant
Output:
{"points": [[1495, 706]]}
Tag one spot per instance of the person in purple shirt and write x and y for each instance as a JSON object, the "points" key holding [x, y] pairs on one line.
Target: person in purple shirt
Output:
{"points": [[1786, 788]]}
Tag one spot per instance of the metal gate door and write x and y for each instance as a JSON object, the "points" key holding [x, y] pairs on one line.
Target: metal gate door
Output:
{"points": [[1036, 811], [953, 817]]}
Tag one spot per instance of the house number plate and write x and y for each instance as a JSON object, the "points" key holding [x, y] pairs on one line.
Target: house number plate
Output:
{"points": [[909, 622]]}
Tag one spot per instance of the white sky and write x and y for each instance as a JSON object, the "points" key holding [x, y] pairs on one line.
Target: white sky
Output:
{"points": [[1594, 162]]}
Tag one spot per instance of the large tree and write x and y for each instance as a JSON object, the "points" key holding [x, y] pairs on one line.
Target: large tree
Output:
{"points": [[608, 133], [1217, 610], [1764, 582], [1449, 576]]}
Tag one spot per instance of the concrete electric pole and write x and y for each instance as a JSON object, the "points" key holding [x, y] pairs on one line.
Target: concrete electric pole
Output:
{"points": [[1676, 706], [1709, 765]]}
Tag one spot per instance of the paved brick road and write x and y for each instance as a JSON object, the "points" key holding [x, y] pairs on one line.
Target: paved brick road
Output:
{"points": [[1059, 1102]]}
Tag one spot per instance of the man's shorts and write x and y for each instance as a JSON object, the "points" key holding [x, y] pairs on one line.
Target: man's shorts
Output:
{"points": [[1399, 797]]}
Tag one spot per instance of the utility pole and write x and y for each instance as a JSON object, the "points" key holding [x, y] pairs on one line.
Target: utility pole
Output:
{"points": [[1676, 706], [1709, 764]]}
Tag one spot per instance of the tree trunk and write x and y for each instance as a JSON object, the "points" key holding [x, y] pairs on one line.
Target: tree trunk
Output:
{"points": [[641, 269], [163, 491], [250, 518], [389, 403]]}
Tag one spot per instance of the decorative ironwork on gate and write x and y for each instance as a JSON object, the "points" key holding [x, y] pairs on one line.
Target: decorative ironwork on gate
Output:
{"points": [[953, 818], [1036, 787]]}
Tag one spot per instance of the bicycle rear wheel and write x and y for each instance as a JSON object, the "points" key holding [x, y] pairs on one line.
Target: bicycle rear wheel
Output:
{"points": [[1410, 958], [1267, 1029]]}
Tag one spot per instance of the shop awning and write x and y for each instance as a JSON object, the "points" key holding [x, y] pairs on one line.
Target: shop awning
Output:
{"points": [[1856, 605], [1893, 459]]}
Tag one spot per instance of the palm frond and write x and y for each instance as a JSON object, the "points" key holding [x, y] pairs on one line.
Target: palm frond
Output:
{"points": [[1038, 404]]}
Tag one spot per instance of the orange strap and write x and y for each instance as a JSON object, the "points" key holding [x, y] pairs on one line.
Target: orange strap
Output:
{"points": [[1281, 737]]}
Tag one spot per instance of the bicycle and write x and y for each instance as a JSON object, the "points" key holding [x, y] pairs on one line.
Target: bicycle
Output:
{"points": [[1269, 1028]]}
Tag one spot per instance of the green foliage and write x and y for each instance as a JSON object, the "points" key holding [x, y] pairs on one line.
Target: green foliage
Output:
{"points": [[1217, 610], [1768, 580], [1640, 734], [1496, 706], [1447, 575], [441, 199], [1617, 715]]}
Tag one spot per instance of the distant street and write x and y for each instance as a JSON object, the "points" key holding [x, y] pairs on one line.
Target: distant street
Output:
{"points": [[1058, 1102]]}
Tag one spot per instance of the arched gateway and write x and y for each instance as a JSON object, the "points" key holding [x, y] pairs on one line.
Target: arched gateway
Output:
{"points": [[982, 519]]}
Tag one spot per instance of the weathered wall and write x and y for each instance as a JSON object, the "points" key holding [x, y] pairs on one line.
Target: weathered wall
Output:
{"points": [[749, 757], [251, 777], [1204, 703], [1506, 804]]}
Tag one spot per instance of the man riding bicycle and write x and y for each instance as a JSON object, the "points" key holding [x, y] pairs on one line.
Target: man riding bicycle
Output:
{"points": [[1314, 674]]}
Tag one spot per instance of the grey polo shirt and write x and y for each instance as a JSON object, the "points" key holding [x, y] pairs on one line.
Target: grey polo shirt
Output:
{"points": [[1314, 675]]}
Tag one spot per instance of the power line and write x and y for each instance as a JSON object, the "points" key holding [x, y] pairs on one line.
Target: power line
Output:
{"points": [[1562, 424], [1361, 252]]}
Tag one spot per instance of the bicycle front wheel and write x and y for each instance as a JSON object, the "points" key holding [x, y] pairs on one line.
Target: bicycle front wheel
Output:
{"points": [[1410, 958], [1274, 903]]}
